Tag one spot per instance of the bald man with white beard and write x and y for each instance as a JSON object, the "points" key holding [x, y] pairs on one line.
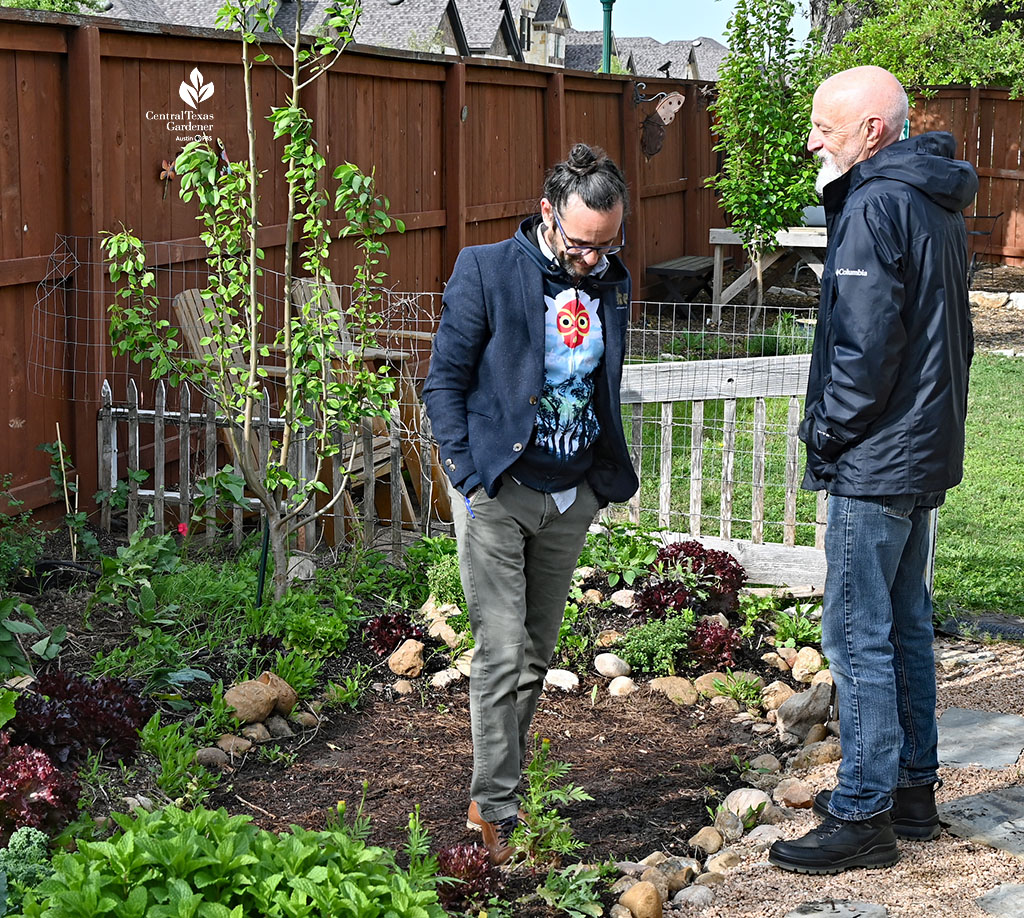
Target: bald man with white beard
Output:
{"points": [[884, 431]]}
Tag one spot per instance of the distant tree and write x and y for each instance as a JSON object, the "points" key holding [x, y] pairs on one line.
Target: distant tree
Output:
{"points": [[831, 20]]}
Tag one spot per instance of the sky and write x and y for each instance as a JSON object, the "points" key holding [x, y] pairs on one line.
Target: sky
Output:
{"points": [[665, 20]]}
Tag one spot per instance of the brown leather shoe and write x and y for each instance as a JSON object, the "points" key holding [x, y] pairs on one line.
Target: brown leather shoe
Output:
{"points": [[497, 837], [475, 822]]}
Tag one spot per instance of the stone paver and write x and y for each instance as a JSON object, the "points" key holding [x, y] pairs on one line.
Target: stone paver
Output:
{"points": [[1005, 901], [995, 818], [982, 738], [837, 909]]}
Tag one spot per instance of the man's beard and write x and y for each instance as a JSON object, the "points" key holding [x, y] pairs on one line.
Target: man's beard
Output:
{"points": [[828, 172], [572, 267]]}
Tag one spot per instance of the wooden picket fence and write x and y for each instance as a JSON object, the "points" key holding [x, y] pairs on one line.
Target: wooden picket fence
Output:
{"points": [[192, 431]]}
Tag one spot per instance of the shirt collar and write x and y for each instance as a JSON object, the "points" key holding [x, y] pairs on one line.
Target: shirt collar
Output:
{"points": [[545, 250]]}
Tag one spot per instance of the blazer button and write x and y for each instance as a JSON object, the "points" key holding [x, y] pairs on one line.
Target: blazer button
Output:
{"points": [[517, 447], [533, 399]]}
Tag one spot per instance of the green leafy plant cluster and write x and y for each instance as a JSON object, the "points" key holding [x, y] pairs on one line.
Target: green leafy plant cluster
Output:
{"points": [[796, 627], [307, 626], [19, 624], [131, 570], [622, 550], [444, 581], [300, 670], [206, 863], [21, 539], [744, 689], [659, 647], [574, 891], [349, 692], [174, 747], [24, 863]]}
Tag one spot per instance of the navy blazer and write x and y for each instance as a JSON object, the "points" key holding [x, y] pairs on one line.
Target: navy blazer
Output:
{"points": [[487, 368]]}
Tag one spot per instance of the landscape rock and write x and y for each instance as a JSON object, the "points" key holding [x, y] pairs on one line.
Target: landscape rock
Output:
{"points": [[442, 631], [621, 686], [562, 679], [717, 619], [711, 878], [642, 900], [464, 664], [709, 840], [658, 880], [982, 299], [212, 757], [729, 825], [764, 836], [774, 694], [808, 661], [823, 675], [305, 719], [765, 727], [773, 659], [705, 684], [723, 861], [816, 734], [817, 754], [233, 746], [654, 859], [607, 638], [622, 884], [302, 569], [788, 654], [746, 799], [766, 763], [611, 666], [1016, 301], [680, 872], [140, 802], [678, 689], [20, 683], [721, 703], [624, 599], [694, 896], [256, 732], [619, 911], [802, 711], [407, 660], [403, 687], [792, 792], [278, 727], [630, 868], [251, 701], [287, 697], [445, 678], [428, 611], [584, 572], [593, 597]]}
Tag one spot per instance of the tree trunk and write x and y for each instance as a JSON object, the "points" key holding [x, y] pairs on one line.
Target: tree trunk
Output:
{"points": [[279, 549], [832, 28]]}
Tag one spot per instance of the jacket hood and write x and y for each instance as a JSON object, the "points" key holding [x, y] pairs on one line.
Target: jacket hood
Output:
{"points": [[526, 239], [927, 163]]}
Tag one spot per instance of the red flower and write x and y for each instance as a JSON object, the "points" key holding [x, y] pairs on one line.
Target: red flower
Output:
{"points": [[183, 529]]}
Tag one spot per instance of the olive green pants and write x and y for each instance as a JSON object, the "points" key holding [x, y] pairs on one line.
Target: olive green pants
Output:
{"points": [[517, 554]]}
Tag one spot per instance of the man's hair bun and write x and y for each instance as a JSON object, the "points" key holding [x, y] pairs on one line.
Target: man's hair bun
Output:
{"points": [[589, 173]]}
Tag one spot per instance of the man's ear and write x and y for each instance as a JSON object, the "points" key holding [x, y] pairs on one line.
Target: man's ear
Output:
{"points": [[547, 212], [875, 133]]}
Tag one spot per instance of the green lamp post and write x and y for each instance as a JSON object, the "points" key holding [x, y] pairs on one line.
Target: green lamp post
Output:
{"points": [[606, 59]]}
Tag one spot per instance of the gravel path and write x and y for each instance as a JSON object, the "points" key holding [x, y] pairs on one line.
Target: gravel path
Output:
{"points": [[938, 879]]}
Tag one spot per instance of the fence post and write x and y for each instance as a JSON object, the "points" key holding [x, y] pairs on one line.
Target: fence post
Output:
{"points": [[455, 114], [185, 456], [159, 456], [133, 456], [396, 483], [106, 462]]}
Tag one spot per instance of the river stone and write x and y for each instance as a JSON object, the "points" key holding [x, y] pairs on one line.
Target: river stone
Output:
{"points": [[721, 703], [403, 687], [654, 859], [705, 684], [723, 861], [817, 754], [622, 884], [765, 763], [816, 734], [256, 732], [611, 666], [445, 678], [729, 825], [643, 900], [278, 727], [302, 569], [621, 686], [773, 659], [657, 879], [442, 631], [696, 896], [630, 868], [562, 679], [624, 599], [745, 799], [607, 638], [593, 597], [305, 719], [252, 701], [678, 689], [808, 661], [619, 911], [823, 675], [709, 840], [982, 299], [764, 836], [287, 697], [584, 572], [680, 872], [774, 694], [799, 713], [710, 878], [233, 745], [429, 609], [212, 757], [792, 792], [1016, 300], [464, 664], [788, 654]]}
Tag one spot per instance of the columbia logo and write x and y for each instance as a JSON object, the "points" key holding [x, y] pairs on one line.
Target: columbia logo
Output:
{"points": [[851, 272], [195, 90]]}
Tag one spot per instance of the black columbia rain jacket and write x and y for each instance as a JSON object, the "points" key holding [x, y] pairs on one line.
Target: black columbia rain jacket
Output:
{"points": [[887, 392]]}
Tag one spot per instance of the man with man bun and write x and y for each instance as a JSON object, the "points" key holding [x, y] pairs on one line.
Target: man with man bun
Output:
{"points": [[884, 430], [523, 399]]}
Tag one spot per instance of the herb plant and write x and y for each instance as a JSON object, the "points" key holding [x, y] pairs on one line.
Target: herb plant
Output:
{"points": [[659, 648], [622, 551], [444, 581], [796, 627], [573, 891], [25, 862]]}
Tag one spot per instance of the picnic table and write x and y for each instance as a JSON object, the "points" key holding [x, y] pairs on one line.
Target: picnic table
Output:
{"points": [[796, 244]]}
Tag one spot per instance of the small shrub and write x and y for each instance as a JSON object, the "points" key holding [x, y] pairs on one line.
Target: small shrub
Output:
{"points": [[69, 717], [796, 627], [468, 877], [658, 647], [445, 582], [713, 645], [573, 891], [32, 791], [242, 870], [25, 862], [385, 632]]}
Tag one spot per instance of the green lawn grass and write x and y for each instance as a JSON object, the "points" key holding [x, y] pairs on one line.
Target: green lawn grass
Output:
{"points": [[979, 563]]}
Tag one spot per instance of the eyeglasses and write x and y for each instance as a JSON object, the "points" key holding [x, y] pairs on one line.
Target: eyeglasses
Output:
{"points": [[574, 248]]}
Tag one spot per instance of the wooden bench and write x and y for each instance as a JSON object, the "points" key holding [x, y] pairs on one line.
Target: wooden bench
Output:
{"points": [[686, 276]]}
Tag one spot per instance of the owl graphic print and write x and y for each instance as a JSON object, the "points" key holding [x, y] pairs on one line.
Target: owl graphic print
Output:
{"points": [[573, 348]]}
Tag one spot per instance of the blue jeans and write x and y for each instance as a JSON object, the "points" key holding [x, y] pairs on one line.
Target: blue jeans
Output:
{"points": [[877, 635]]}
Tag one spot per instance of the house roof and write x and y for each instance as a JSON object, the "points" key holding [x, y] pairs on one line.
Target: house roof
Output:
{"points": [[709, 55], [585, 50], [388, 26], [549, 10], [483, 20]]}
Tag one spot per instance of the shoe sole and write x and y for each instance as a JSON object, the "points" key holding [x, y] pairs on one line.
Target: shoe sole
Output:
{"points": [[908, 830], [874, 858]]}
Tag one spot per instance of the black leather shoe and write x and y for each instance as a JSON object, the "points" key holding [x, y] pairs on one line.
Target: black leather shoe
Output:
{"points": [[914, 815], [837, 845]]}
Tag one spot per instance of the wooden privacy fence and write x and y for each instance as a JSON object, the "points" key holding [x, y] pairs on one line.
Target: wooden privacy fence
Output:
{"points": [[195, 431], [727, 385]]}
